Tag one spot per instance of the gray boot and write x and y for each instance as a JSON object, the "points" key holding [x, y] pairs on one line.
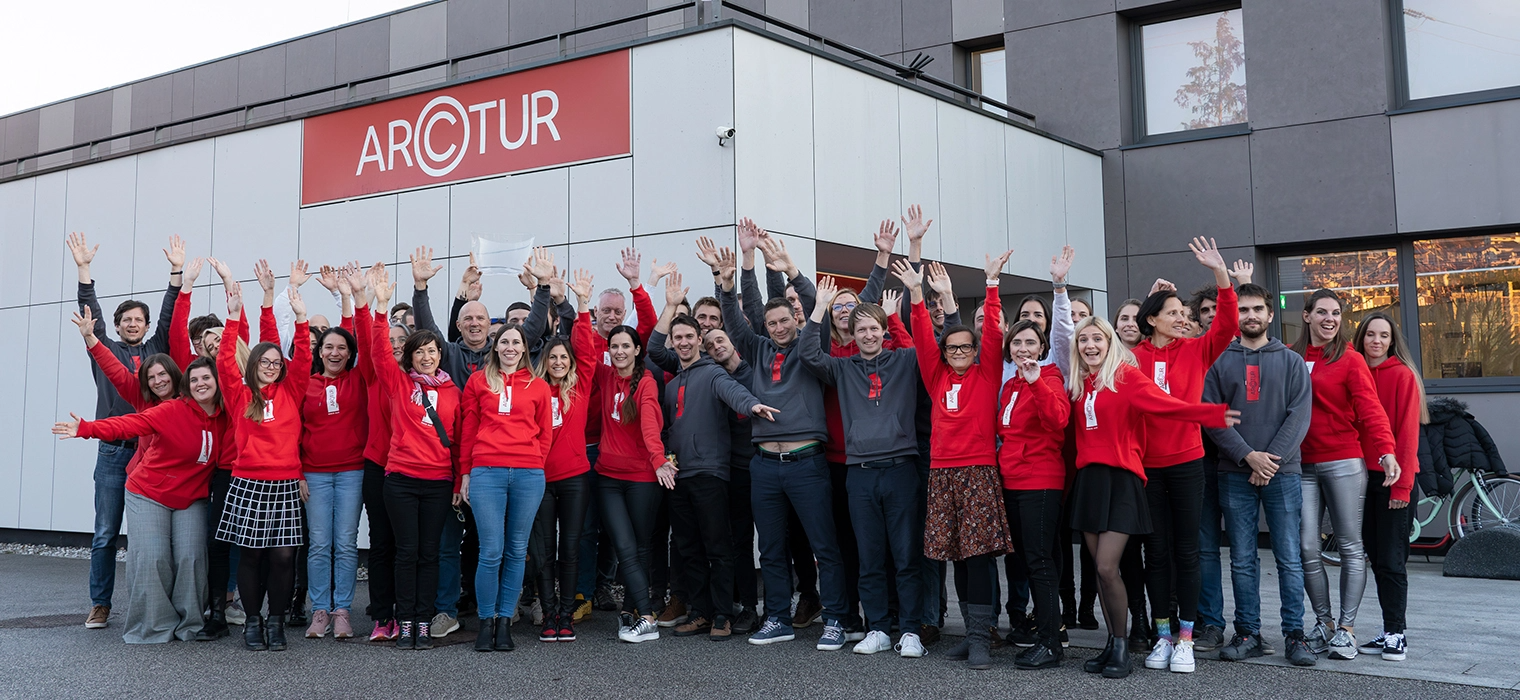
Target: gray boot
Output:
{"points": [[960, 651], [978, 631]]}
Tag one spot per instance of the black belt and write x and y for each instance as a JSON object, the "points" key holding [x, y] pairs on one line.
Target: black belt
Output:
{"points": [[883, 463], [129, 444], [794, 456]]}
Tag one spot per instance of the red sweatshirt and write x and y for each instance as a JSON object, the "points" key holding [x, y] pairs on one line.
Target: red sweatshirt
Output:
{"points": [[1399, 392], [1032, 424], [512, 429], [898, 338], [567, 454], [1111, 424], [269, 449], [1346, 411], [335, 423], [126, 384], [1178, 369], [377, 445], [964, 404], [631, 450], [415, 448], [647, 318], [175, 469]]}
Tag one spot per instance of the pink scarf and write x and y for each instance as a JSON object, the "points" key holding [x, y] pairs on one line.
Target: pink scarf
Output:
{"points": [[419, 379]]}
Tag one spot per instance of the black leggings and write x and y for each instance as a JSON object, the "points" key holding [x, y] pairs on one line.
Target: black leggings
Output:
{"points": [[1175, 496], [1033, 520], [628, 515], [1385, 534], [974, 577], [268, 570], [563, 508]]}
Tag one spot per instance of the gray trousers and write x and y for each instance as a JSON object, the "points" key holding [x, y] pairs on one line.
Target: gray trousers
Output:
{"points": [[1341, 486], [166, 571]]}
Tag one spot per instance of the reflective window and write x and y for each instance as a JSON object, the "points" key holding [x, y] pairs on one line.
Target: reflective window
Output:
{"points": [[1457, 46], [989, 76], [1469, 315], [1194, 73], [1365, 280]]}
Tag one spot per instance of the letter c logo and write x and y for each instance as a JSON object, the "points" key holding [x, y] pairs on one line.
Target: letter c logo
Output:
{"points": [[422, 144]]}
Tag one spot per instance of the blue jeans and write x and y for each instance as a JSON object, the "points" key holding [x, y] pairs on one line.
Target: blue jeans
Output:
{"points": [[883, 508], [1282, 500], [506, 503], [931, 572], [1211, 590], [332, 552], [110, 499], [449, 570], [803, 483]]}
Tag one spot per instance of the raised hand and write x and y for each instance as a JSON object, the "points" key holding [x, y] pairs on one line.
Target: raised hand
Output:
{"points": [[582, 286], [192, 272], [175, 253], [357, 284], [85, 319], [891, 302], [707, 252], [67, 429], [910, 277], [328, 277], [776, 257], [886, 237], [915, 223], [1060, 265], [423, 268], [1161, 285], [1207, 253], [297, 304], [674, 292], [728, 264], [471, 273], [827, 288], [939, 280], [994, 267], [556, 284], [658, 271], [529, 282], [381, 283], [298, 274], [265, 275], [749, 235], [629, 267], [234, 301], [345, 287], [540, 264], [221, 269], [1241, 272], [83, 253]]}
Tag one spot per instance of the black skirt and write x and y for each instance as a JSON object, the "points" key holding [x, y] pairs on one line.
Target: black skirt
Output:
{"points": [[1109, 499]]}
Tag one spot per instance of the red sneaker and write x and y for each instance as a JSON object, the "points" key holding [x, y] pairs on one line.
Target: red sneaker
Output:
{"points": [[550, 632], [566, 629]]}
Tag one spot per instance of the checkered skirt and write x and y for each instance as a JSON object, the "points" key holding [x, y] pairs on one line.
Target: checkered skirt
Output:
{"points": [[260, 514]]}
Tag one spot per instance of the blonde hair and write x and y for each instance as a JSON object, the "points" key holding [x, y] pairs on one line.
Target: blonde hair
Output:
{"points": [[1108, 372]]}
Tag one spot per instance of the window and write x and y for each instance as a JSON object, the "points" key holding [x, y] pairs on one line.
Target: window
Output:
{"points": [[989, 76], [1459, 46], [1468, 306], [1192, 73], [1366, 280]]}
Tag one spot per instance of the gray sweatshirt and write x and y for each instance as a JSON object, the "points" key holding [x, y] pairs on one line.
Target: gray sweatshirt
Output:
{"points": [[458, 360], [1274, 408], [878, 398], [108, 403], [698, 401], [779, 380]]}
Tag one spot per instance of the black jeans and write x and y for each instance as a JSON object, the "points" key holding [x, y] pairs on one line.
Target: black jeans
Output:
{"points": [[219, 567], [417, 508], [800, 554], [699, 518], [844, 534], [741, 527], [1385, 534], [1175, 496], [629, 509], [1034, 521], [562, 512], [382, 546], [883, 504]]}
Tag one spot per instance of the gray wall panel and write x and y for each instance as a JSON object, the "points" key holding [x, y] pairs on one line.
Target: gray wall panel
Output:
{"points": [[216, 86], [599, 11], [92, 116], [873, 25], [261, 75], [56, 130], [1181, 190], [1074, 94], [476, 25], [1309, 60], [21, 133], [152, 104], [1455, 168], [976, 19], [364, 50], [1118, 281], [1319, 181], [1023, 14], [182, 102], [311, 63], [419, 36], [1181, 269], [531, 20], [926, 24], [1114, 234]]}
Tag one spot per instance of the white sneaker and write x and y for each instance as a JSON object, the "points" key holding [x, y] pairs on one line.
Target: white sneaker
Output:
{"points": [[909, 646], [874, 642], [235, 614], [1161, 657], [642, 631], [1182, 658]]}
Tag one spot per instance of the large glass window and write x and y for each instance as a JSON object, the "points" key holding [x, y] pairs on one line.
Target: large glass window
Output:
{"points": [[1366, 280], [989, 76], [1468, 306], [1194, 73], [1458, 46]]}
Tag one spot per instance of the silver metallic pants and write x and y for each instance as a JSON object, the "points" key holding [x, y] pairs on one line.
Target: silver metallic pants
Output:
{"points": [[1341, 486]]}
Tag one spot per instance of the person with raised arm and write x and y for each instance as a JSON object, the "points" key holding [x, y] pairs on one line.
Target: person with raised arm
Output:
{"points": [[422, 469], [377, 447], [263, 513], [166, 494], [112, 457]]}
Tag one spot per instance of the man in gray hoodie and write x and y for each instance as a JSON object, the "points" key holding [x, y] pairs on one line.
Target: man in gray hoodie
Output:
{"points": [[1259, 467]]}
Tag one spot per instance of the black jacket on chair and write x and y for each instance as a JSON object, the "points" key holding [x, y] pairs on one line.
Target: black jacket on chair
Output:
{"points": [[1454, 440]]}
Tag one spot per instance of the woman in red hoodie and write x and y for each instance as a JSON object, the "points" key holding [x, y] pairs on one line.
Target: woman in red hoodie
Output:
{"points": [[1346, 423], [263, 511], [1173, 458], [632, 467], [504, 439], [1387, 517], [421, 473], [1113, 399], [166, 502], [334, 430], [569, 368]]}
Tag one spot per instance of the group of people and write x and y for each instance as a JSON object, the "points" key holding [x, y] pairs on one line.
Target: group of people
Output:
{"points": [[866, 438]]}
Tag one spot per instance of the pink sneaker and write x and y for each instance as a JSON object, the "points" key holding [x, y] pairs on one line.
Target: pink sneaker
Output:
{"points": [[385, 631], [318, 628], [340, 625]]}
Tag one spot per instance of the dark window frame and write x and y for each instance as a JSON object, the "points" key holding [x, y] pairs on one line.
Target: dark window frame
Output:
{"points": [[1137, 23], [1402, 103]]}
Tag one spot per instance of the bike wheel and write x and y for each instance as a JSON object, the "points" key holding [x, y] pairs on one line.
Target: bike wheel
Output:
{"points": [[1329, 545], [1469, 514]]}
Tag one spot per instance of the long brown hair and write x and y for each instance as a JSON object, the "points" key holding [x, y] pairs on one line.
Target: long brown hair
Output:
{"points": [[566, 386], [630, 407], [255, 409], [1399, 349], [1337, 345], [170, 368]]}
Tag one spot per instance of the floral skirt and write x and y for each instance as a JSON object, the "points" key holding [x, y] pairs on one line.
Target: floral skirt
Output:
{"points": [[966, 516]]}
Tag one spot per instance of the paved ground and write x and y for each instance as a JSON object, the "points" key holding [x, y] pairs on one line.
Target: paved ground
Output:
{"points": [[45, 650]]}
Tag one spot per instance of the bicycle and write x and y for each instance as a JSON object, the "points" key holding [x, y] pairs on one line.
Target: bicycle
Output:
{"points": [[1483, 500]]}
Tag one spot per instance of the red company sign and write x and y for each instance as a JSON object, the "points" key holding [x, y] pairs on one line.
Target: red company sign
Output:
{"points": [[558, 114]]}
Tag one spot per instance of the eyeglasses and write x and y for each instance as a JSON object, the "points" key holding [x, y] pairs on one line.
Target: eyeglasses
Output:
{"points": [[848, 306], [271, 364], [959, 349]]}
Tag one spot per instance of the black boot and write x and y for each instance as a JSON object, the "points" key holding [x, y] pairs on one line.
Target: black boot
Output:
{"points": [[1096, 663], [215, 627], [1119, 662], [275, 632], [1085, 618], [978, 634], [1045, 654], [485, 639], [253, 633], [960, 651], [504, 634], [1140, 640]]}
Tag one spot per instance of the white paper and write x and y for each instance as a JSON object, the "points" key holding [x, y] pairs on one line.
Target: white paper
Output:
{"points": [[495, 257]]}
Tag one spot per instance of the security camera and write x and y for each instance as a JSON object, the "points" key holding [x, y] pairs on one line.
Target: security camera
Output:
{"points": [[724, 134]]}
